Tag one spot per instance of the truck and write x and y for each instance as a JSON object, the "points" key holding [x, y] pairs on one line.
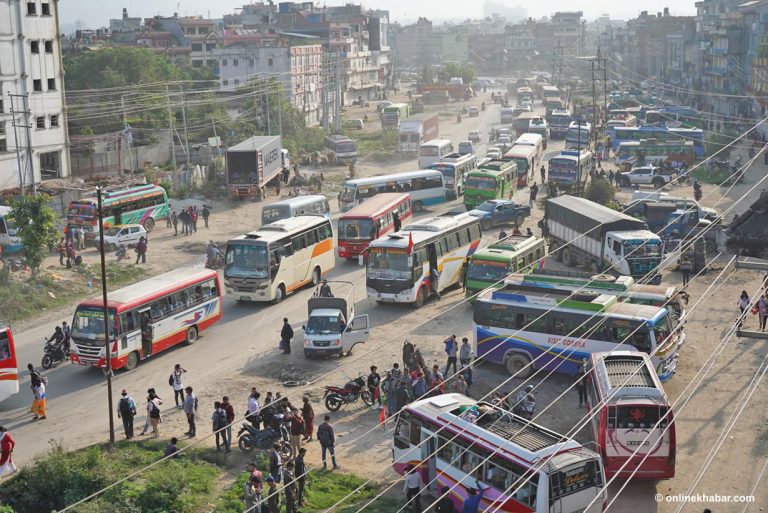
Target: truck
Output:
{"points": [[582, 232], [455, 91], [559, 121], [648, 175], [671, 222], [252, 163], [332, 327], [392, 115], [416, 130]]}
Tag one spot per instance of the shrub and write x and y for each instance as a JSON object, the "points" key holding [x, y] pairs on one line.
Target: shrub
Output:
{"points": [[600, 191]]}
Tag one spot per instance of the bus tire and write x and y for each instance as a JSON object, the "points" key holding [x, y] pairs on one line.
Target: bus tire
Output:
{"points": [[315, 276], [417, 206], [149, 224], [132, 360], [279, 294], [419, 298], [519, 220], [486, 225], [191, 335], [518, 365], [658, 184], [594, 268]]}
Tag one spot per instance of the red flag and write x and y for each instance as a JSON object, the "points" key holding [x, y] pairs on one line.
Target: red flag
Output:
{"points": [[410, 243]]}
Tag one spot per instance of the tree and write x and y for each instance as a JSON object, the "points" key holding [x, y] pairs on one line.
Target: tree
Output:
{"points": [[600, 191], [427, 75], [36, 226], [450, 70]]}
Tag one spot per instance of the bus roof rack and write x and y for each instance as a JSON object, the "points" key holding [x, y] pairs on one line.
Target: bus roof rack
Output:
{"points": [[622, 370]]}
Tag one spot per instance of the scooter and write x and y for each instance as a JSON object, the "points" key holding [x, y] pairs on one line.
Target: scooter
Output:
{"points": [[336, 397], [53, 354], [250, 438]]}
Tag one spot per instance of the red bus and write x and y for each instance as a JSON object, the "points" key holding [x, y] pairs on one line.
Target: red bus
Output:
{"points": [[9, 371], [147, 318], [370, 220], [635, 420]]}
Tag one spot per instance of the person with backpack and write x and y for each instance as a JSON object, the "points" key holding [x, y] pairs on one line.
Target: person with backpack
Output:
{"points": [[327, 441], [190, 410], [153, 412], [35, 379], [219, 426], [174, 380], [286, 334], [126, 410], [451, 349]]}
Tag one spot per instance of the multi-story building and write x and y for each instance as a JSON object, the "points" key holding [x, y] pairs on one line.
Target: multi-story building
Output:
{"points": [[203, 37], [422, 44], [31, 95]]}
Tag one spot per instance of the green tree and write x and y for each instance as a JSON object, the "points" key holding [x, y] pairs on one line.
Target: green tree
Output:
{"points": [[36, 224], [450, 70], [600, 191], [427, 75]]}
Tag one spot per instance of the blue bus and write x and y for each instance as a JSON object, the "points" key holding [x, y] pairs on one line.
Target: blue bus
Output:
{"points": [[662, 134]]}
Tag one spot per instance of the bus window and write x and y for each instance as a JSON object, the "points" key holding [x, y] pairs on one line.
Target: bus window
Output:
{"points": [[415, 433], [401, 432], [5, 349]]}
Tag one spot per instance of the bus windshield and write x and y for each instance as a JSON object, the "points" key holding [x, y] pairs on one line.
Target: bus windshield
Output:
{"points": [[81, 209], [323, 325], [88, 324], [429, 151], [348, 193], [346, 147], [560, 119], [481, 182], [662, 329], [244, 260], [275, 213], [355, 229], [522, 164], [488, 270], [384, 264], [638, 417]]}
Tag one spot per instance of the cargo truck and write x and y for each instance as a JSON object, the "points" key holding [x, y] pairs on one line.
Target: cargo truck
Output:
{"points": [[392, 115], [417, 130], [252, 163], [582, 232]]}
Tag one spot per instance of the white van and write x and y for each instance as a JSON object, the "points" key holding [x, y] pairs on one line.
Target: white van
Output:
{"points": [[314, 204], [9, 241], [434, 151]]}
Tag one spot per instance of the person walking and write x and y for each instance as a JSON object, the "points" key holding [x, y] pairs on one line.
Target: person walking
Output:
{"points": [[193, 214], [289, 488], [206, 213], [190, 410], [184, 220], [141, 251], [762, 311], [297, 430], [153, 412], [534, 192], [254, 408], [685, 268], [327, 441], [452, 350], [61, 248], [174, 220], [230, 411], [465, 352], [219, 419], [275, 463], [472, 502], [743, 306], [373, 382], [7, 444], [543, 173], [286, 334], [38, 404], [126, 410], [300, 474], [468, 378], [308, 414], [412, 488], [175, 381], [581, 384]]}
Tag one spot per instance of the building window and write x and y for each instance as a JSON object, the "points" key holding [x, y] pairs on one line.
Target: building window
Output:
{"points": [[237, 81], [250, 63], [31, 9], [235, 63], [223, 62], [34, 46], [45, 8], [54, 121], [225, 82], [40, 122], [197, 63], [270, 61], [37, 85], [197, 47], [51, 84], [49, 46], [210, 46]]}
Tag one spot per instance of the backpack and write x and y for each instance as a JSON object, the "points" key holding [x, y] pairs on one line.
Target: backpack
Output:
{"points": [[170, 380], [154, 413], [220, 419], [125, 407]]}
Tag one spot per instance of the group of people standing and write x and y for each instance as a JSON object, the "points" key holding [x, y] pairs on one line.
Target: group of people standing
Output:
{"points": [[188, 219]]}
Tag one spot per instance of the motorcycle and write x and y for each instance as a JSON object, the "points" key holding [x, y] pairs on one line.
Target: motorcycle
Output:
{"points": [[121, 252], [215, 263], [697, 192], [336, 397], [53, 354], [250, 438]]}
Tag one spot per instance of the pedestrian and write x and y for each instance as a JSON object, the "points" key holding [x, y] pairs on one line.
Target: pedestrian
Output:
{"points": [[230, 411], [126, 410], [327, 441], [436, 381], [402, 398], [141, 250], [190, 410], [543, 173], [534, 192], [412, 488], [451, 349], [250, 495], [286, 334], [174, 219], [150, 395], [175, 381], [685, 268], [397, 374], [69, 247], [743, 306], [611, 176], [419, 385], [465, 352], [219, 419], [153, 412], [581, 383], [472, 502], [7, 443], [184, 220], [193, 217], [762, 311], [308, 414], [289, 488], [388, 387], [60, 248], [463, 274], [297, 430], [468, 378], [300, 474], [253, 408], [172, 448], [273, 497], [206, 213], [38, 404], [434, 276], [459, 386], [275, 463], [374, 380], [445, 503]]}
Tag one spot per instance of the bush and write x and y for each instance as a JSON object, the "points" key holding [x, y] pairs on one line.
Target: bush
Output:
{"points": [[600, 191]]}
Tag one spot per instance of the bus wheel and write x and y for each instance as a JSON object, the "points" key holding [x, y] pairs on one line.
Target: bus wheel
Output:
{"points": [[419, 299], [315, 276], [519, 220], [279, 294], [132, 361], [518, 365], [486, 225], [417, 206], [149, 224], [192, 335], [658, 184], [594, 268]]}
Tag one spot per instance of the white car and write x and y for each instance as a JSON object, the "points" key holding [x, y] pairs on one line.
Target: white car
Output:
{"points": [[466, 147], [474, 136], [493, 153], [122, 235]]}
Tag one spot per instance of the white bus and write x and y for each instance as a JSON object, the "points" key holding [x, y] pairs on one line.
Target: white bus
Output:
{"points": [[453, 440], [311, 205], [454, 168], [278, 258], [534, 140], [426, 187], [400, 264], [578, 135], [434, 151]]}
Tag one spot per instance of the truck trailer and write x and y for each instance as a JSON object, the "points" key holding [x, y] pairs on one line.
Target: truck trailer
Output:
{"points": [[252, 163], [417, 130]]}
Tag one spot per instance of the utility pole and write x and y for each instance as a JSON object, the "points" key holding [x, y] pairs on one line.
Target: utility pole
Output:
{"points": [[278, 90], [557, 59], [125, 135], [598, 65], [22, 171], [337, 116], [216, 137], [170, 128], [184, 119], [107, 341], [27, 170], [324, 84], [269, 123]]}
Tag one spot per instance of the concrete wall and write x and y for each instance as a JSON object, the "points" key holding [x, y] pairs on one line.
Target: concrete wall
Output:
{"points": [[110, 161]]}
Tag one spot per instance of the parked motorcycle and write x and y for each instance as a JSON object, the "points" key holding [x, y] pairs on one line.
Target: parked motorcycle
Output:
{"points": [[215, 263], [121, 252], [525, 405], [250, 438], [336, 397], [53, 354], [697, 191]]}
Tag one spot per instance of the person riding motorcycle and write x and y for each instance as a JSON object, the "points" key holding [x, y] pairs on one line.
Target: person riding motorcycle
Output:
{"points": [[525, 405], [696, 190], [58, 338]]}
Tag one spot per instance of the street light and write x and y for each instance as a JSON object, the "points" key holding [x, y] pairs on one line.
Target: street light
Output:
{"points": [[107, 349]]}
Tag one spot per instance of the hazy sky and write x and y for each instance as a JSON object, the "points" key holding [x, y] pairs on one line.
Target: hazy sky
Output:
{"points": [[96, 13]]}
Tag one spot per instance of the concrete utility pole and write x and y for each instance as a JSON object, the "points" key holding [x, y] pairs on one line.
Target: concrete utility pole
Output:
{"points": [[171, 129], [22, 170], [324, 83], [598, 64], [26, 170], [557, 59], [337, 116], [184, 119]]}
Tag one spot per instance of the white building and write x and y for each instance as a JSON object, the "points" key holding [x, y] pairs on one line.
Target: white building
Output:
{"points": [[32, 86]]}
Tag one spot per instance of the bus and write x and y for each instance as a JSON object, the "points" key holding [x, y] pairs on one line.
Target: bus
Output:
{"points": [[534, 140], [370, 220], [631, 417], [525, 157], [313, 204], [662, 134], [578, 135], [570, 167], [343, 149], [434, 151], [392, 115], [490, 266], [10, 242], [495, 179], [523, 93], [559, 121], [523, 122], [549, 91], [146, 318], [454, 168], [426, 187], [400, 264], [278, 258], [9, 370], [525, 466], [555, 330], [138, 204], [674, 116], [619, 121], [506, 115], [637, 153]]}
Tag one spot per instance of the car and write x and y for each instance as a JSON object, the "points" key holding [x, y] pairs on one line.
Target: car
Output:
{"points": [[354, 124], [474, 112], [500, 211], [466, 147], [519, 110], [647, 175], [493, 153], [504, 139], [122, 235], [474, 136]]}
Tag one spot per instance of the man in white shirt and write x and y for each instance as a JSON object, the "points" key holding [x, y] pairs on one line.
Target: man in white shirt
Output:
{"points": [[412, 487], [254, 408]]}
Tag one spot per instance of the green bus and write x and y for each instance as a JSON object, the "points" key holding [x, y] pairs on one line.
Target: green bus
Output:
{"points": [[490, 266], [495, 179]]}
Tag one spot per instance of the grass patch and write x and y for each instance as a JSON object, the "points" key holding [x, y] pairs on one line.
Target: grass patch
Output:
{"points": [[376, 146], [709, 175]]}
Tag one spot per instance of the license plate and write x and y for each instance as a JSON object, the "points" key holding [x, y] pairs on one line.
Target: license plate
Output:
{"points": [[244, 298]]}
